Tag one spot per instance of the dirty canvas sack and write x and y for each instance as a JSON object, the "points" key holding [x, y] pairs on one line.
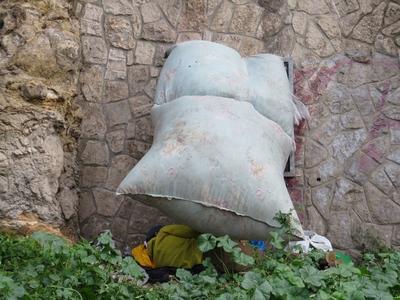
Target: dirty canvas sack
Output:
{"points": [[269, 90], [199, 68], [216, 164]]}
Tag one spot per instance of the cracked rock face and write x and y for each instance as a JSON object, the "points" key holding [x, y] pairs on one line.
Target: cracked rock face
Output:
{"points": [[33, 163], [40, 61]]}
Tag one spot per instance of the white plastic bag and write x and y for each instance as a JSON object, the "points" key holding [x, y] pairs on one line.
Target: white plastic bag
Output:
{"points": [[311, 240]]}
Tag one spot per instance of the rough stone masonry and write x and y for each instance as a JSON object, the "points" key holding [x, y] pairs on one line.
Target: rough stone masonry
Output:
{"points": [[346, 55]]}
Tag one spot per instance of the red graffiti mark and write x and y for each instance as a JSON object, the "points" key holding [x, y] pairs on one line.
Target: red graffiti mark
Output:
{"points": [[385, 93], [300, 129], [299, 148], [373, 151], [322, 78], [297, 196], [380, 123], [291, 182], [309, 88], [303, 74], [365, 164], [393, 124], [300, 213], [302, 91]]}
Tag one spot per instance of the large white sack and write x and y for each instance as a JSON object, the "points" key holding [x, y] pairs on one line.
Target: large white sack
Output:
{"points": [[270, 91], [200, 68], [216, 164]]}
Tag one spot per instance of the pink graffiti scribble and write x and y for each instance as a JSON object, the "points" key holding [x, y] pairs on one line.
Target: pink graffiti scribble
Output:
{"points": [[300, 129], [373, 151], [297, 196], [385, 93], [292, 182], [365, 164], [381, 123], [309, 87]]}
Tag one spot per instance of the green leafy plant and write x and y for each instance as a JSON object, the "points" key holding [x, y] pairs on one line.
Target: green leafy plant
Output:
{"points": [[208, 242], [43, 266]]}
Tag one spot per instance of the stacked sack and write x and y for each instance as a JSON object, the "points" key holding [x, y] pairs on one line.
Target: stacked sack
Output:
{"points": [[223, 134]]}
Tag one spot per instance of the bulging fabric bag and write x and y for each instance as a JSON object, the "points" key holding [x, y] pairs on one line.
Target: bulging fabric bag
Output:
{"points": [[269, 90], [199, 68], [216, 164]]}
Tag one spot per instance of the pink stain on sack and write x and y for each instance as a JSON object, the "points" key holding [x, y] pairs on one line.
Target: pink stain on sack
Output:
{"points": [[259, 193], [171, 172], [257, 169]]}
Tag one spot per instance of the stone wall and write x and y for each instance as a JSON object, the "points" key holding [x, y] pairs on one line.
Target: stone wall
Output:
{"points": [[39, 126], [346, 71]]}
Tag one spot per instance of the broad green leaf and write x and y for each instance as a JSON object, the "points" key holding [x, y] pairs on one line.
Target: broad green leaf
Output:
{"points": [[242, 259], [276, 240], [251, 280], [322, 295], [226, 243], [91, 259], [49, 241], [312, 276], [265, 288], [105, 238], [54, 277], [208, 279], [280, 286], [295, 280], [206, 242], [130, 267], [10, 289], [357, 295], [258, 295], [183, 275], [225, 296]]}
